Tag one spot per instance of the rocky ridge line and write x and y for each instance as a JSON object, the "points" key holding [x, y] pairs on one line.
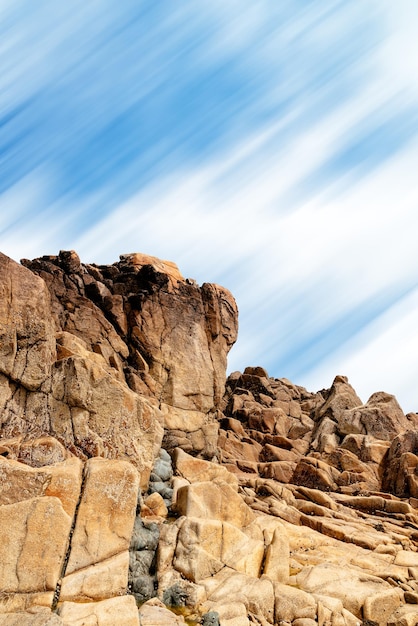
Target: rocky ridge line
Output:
{"points": [[237, 502]]}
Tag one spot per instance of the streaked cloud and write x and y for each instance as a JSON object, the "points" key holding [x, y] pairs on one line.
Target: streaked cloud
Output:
{"points": [[269, 147]]}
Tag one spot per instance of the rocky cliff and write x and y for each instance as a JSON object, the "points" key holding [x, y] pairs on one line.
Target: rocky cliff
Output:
{"points": [[139, 486]]}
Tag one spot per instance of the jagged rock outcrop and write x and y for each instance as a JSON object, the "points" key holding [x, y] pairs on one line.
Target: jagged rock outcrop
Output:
{"points": [[162, 335], [131, 474]]}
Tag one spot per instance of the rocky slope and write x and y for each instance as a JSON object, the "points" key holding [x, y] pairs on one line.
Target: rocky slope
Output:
{"points": [[133, 475]]}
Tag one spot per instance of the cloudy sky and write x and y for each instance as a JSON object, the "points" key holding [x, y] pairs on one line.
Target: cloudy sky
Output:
{"points": [[271, 147]]}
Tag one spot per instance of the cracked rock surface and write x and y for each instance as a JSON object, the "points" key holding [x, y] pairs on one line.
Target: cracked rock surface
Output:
{"points": [[139, 486]]}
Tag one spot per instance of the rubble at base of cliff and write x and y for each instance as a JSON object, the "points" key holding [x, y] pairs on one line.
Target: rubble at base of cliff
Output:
{"points": [[139, 486]]}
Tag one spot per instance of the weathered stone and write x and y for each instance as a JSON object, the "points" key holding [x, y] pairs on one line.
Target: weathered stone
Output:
{"points": [[154, 613], [26, 602], [378, 608], [181, 419], [32, 556], [104, 579], [106, 513], [381, 417], [292, 603], [404, 616], [276, 565], [20, 482], [108, 612], [205, 546], [154, 505], [44, 618], [229, 613], [36, 452], [27, 330], [208, 500], [198, 470], [406, 558], [106, 419], [256, 594], [315, 473], [350, 586]]}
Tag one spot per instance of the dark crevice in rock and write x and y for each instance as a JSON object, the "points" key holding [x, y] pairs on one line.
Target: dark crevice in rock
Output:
{"points": [[57, 592]]}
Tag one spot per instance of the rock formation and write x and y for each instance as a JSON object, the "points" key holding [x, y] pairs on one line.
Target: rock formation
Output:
{"points": [[138, 486]]}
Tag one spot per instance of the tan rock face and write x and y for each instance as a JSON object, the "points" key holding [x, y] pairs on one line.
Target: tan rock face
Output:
{"points": [[104, 579], [76, 394], [154, 613], [32, 556], [206, 546], [106, 513], [208, 500], [199, 470], [309, 515], [105, 613], [41, 557], [137, 322], [31, 619], [20, 482], [27, 330]]}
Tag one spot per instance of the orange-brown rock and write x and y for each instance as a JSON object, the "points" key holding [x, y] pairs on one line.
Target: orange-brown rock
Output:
{"points": [[287, 507]]}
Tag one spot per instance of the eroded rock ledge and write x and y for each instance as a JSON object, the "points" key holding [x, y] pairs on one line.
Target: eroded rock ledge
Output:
{"points": [[129, 463]]}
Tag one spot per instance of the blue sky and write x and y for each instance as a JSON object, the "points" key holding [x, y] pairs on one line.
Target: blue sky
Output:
{"points": [[271, 147]]}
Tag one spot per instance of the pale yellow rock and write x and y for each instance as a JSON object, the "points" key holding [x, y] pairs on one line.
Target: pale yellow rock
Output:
{"points": [[255, 593], [20, 482], [208, 500], [181, 419], [155, 613], [121, 611], [106, 513], [176, 484], [70, 345], [331, 611], [379, 607], [167, 545], [33, 542], [205, 546], [292, 603], [106, 418], [351, 586], [155, 504], [276, 565], [199, 470], [198, 549], [105, 579], [406, 615], [20, 602], [31, 619], [66, 479], [188, 331], [406, 558], [36, 452], [230, 613]]}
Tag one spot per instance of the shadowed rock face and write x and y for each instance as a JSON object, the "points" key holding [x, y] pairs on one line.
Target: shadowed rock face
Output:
{"points": [[99, 357], [158, 334], [250, 501], [147, 322], [327, 440]]}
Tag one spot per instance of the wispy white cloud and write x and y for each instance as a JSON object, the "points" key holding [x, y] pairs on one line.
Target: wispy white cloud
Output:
{"points": [[270, 147]]}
